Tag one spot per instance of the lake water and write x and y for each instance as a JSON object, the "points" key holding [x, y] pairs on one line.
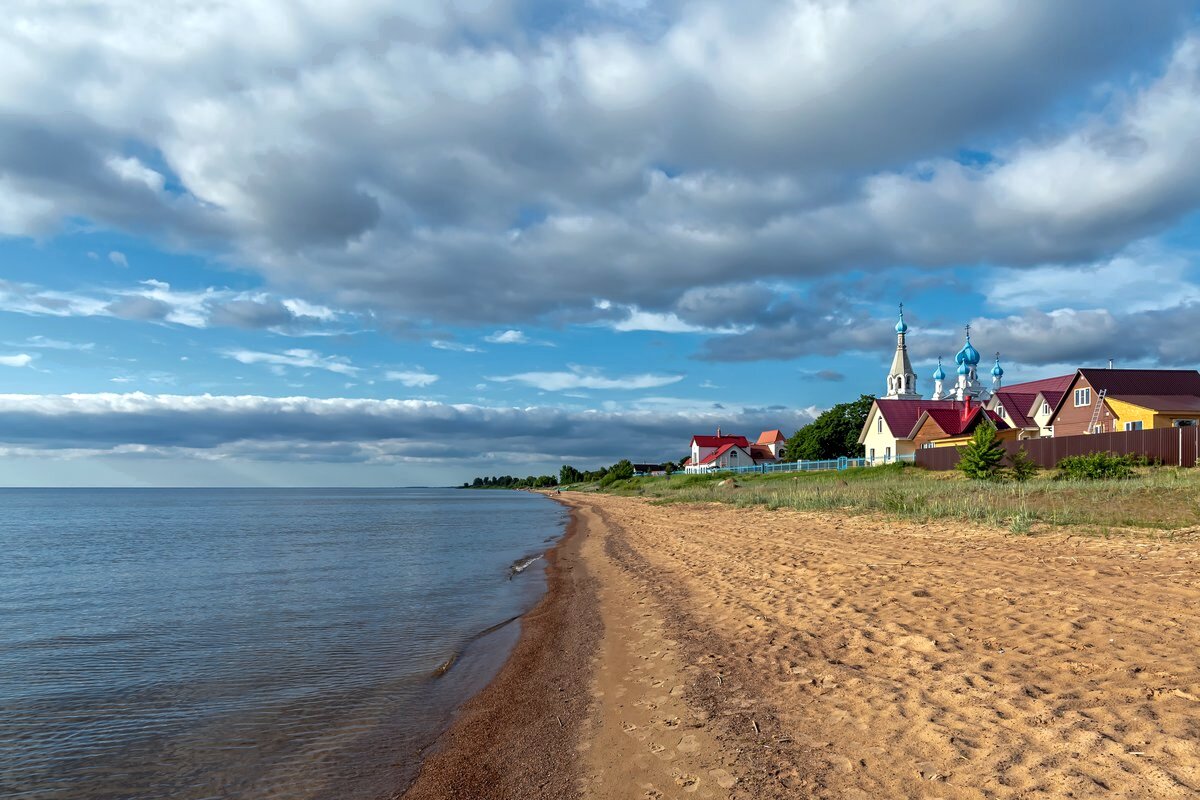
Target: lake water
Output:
{"points": [[249, 643]]}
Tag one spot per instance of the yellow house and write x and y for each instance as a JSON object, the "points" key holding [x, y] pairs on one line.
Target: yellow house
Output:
{"points": [[1147, 412]]}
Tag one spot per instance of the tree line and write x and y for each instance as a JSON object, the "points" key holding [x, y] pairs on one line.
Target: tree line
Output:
{"points": [[566, 474], [833, 434]]}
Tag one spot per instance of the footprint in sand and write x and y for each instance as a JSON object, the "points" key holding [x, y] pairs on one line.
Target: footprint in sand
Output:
{"points": [[723, 778], [689, 783], [662, 752]]}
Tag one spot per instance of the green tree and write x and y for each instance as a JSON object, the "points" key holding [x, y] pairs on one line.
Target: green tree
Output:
{"points": [[622, 469], [1021, 465], [833, 434], [980, 458]]}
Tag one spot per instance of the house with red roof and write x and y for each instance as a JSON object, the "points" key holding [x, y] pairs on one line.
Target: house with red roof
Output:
{"points": [[1110, 400], [951, 427], [896, 429], [725, 450], [1028, 406]]}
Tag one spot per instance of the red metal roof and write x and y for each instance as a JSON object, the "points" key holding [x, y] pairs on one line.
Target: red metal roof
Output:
{"points": [[1018, 405], [951, 420], [902, 415], [1058, 384], [1144, 381], [719, 441], [770, 437], [720, 451]]}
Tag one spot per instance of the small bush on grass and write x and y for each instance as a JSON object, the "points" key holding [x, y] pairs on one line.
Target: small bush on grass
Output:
{"points": [[1097, 466], [1021, 465], [980, 458]]}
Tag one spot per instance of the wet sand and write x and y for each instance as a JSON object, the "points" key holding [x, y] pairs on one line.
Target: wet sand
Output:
{"points": [[710, 651]]}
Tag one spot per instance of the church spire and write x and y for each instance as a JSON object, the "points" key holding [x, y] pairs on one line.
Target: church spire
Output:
{"points": [[901, 380]]}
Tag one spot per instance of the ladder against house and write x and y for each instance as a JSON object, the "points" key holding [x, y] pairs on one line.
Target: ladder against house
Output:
{"points": [[1091, 428]]}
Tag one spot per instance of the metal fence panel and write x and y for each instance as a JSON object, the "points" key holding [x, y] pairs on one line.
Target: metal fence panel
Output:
{"points": [[1173, 446]]}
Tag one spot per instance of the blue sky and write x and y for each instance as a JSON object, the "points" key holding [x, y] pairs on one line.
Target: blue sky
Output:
{"points": [[267, 243]]}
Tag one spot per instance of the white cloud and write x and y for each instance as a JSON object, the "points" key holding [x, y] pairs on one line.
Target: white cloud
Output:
{"points": [[412, 377], [118, 258], [636, 319], [1131, 281], [443, 344], [507, 337], [156, 301], [296, 358], [18, 360], [53, 344], [579, 377]]}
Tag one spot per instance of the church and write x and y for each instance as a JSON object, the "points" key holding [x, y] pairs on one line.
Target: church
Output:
{"points": [[901, 421]]}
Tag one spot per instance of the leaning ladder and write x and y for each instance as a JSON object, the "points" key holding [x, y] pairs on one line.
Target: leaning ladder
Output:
{"points": [[1096, 410]]}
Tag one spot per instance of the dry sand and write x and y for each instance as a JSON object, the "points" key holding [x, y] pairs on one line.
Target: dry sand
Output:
{"points": [[781, 654]]}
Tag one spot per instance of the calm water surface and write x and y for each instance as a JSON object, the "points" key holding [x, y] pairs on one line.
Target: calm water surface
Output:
{"points": [[248, 643]]}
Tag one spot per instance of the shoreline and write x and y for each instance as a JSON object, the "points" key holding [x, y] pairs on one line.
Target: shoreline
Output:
{"points": [[705, 651], [512, 739]]}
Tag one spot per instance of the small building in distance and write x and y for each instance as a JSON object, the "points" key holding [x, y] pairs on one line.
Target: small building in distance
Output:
{"points": [[723, 451], [1109, 400]]}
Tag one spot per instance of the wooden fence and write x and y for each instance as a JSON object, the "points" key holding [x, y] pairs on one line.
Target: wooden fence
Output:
{"points": [[1174, 446]]}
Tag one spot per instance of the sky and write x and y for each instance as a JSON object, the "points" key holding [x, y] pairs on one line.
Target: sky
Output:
{"points": [[377, 244]]}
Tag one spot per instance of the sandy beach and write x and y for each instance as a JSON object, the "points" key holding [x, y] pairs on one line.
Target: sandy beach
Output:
{"points": [[710, 651]]}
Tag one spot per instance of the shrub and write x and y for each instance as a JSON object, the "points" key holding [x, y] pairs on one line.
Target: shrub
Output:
{"points": [[1021, 465], [980, 459], [1097, 466]]}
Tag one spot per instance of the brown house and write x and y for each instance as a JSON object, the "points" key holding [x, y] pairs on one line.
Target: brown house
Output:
{"points": [[948, 427], [1109, 400]]}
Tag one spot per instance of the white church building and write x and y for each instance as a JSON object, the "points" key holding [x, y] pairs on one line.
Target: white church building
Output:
{"points": [[888, 434]]}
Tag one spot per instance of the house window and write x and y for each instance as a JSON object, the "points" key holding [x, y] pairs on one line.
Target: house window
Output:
{"points": [[872, 455], [927, 446], [1098, 429], [887, 454], [1049, 431], [1045, 407], [1183, 423], [1000, 410], [1083, 397], [733, 455], [1136, 425], [879, 424]]}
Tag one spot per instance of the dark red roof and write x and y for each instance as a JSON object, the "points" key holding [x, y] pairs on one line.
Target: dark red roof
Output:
{"points": [[951, 420], [1058, 384], [1144, 381], [720, 441], [720, 451], [902, 415], [1017, 405]]}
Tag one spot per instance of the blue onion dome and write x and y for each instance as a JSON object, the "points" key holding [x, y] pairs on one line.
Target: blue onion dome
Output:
{"points": [[901, 326], [939, 374], [998, 371], [963, 369], [968, 355]]}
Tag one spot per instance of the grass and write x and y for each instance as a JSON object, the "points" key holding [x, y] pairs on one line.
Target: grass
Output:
{"points": [[1157, 499]]}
